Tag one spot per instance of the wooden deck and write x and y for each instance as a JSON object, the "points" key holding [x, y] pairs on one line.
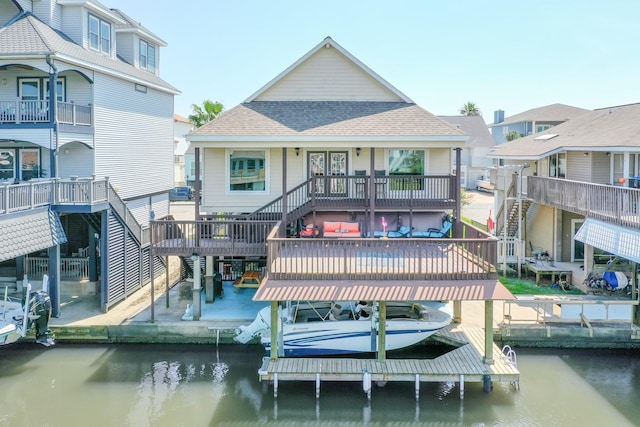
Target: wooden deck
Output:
{"points": [[463, 364]]}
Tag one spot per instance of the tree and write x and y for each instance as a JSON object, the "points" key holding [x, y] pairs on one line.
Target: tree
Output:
{"points": [[513, 134], [470, 109], [205, 113]]}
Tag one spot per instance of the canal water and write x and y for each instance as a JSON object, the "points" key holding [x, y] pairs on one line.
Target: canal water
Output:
{"points": [[178, 385]]}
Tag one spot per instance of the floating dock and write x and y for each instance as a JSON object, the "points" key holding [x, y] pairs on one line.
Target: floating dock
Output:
{"points": [[462, 364]]}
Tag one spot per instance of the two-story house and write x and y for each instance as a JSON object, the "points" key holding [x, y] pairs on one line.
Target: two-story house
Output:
{"points": [[575, 183], [336, 186], [86, 142], [531, 121]]}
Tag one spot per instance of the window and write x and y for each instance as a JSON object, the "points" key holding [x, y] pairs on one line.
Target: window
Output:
{"points": [[558, 165], [617, 167], [540, 128], [60, 90], [7, 164], [29, 89], [99, 34], [147, 56], [37, 88], [406, 162], [30, 164], [247, 170]]}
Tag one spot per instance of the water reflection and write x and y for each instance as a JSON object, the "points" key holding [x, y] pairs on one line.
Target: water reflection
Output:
{"points": [[131, 385]]}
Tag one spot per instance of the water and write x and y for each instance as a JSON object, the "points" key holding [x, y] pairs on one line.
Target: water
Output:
{"points": [[127, 385]]}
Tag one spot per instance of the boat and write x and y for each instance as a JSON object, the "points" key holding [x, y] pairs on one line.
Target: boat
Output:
{"points": [[484, 183], [18, 317], [334, 328]]}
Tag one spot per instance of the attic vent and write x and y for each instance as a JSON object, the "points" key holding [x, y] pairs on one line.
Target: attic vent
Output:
{"points": [[545, 137]]}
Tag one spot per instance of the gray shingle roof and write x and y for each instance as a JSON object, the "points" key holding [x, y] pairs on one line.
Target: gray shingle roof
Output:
{"points": [[327, 118], [599, 130], [475, 127], [548, 113], [28, 36], [29, 231]]}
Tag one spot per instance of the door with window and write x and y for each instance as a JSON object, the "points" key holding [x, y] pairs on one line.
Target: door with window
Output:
{"points": [[577, 249], [30, 167], [328, 167]]}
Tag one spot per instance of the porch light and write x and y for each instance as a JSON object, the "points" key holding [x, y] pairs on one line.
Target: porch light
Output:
{"points": [[194, 257], [358, 149], [297, 149]]}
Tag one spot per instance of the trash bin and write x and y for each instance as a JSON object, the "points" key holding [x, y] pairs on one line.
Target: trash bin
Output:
{"points": [[634, 182], [217, 284]]}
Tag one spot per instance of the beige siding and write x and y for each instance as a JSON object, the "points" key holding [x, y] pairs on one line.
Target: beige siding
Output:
{"points": [[579, 166], [328, 76], [601, 168], [539, 228], [439, 161]]}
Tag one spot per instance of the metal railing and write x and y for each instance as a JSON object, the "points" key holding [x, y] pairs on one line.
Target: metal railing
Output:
{"points": [[71, 268], [619, 205]]}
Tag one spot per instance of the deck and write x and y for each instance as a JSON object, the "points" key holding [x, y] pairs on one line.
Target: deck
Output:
{"points": [[463, 364]]}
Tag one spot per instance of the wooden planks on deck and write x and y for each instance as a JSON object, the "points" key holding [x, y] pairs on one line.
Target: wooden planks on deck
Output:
{"points": [[464, 363]]}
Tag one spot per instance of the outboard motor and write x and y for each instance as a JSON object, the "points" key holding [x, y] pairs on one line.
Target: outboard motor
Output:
{"points": [[39, 316]]}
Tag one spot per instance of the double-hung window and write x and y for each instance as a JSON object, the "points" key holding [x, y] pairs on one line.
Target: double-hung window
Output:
{"points": [[147, 56], [99, 34]]}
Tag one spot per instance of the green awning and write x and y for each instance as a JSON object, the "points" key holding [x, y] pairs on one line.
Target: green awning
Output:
{"points": [[621, 241]]}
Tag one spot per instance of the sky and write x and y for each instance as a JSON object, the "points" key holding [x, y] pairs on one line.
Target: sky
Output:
{"points": [[512, 55]]}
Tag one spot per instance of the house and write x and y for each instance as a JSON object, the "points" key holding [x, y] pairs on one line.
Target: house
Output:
{"points": [[532, 121], [86, 141], [474, 159], [181, 127], [319, 179], [575, 182]]}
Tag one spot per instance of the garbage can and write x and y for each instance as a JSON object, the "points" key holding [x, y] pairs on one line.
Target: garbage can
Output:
{"points": [[217, 284]]}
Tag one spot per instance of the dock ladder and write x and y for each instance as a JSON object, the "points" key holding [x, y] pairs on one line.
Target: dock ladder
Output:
{"points": [[510, 354]]}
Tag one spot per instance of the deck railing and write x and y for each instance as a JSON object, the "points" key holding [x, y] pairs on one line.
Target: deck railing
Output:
{"points": [[71, 268], [18, 111], [36, 193], [619, 205]]}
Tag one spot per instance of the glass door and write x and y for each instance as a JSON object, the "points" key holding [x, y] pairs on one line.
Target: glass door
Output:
{"points": [[577, 249], [330, 165]]}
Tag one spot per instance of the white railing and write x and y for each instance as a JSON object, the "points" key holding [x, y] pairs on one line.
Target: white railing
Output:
{"points": [[19, 111], [511, 250], [73, 268]]}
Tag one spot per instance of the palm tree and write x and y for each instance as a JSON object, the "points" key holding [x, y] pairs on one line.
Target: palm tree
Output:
{"points": [[205, 113], [513, 134], [470, 109]]}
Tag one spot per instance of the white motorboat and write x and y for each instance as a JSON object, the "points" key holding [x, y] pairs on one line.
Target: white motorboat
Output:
{"points": [[17, 317], [329, 328]]}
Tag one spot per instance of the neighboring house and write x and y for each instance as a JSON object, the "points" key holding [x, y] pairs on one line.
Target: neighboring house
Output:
{"points": [[575, 192], [323, 179], [532, 121], [81, 102], [190, 166], [475, 162], [181, 127]]}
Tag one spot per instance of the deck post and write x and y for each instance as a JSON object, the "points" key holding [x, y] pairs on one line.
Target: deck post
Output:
{"points": [[274, 331], [488, 332], [275, 384], [457, 311], [461, 386], [417, 387], [317, 385], [382, 331]]}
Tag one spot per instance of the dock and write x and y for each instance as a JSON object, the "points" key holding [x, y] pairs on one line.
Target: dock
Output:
{"points": [[462, 364]]}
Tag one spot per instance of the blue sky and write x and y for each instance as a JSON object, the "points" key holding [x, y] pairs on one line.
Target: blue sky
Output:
{"points": [[503, 54]]}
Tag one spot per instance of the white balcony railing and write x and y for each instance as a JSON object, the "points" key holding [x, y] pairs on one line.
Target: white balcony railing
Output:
{"points": [[19, 111]]}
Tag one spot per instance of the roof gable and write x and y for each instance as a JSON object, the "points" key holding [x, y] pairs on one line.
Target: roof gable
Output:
{"points": [[548, 113], [328, 73]]}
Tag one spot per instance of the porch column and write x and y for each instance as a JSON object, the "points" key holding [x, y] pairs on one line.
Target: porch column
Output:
{"points": [[104, 259], [197, 185], [275, 347], [197, 309], [54, 279], [285, 208], [93, 259], [372, 191], [458, 216], [488, 332]]}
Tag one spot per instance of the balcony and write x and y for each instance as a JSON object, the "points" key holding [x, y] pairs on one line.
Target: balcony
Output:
{"points": [[617, 205], [30, 112]]}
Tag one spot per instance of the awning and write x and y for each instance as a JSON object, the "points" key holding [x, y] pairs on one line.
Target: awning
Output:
{"points": [[406, 290], [620, 241], [29, 231]]}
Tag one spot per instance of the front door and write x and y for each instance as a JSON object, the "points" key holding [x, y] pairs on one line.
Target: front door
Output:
{"points": [[327, 166], [577, 249]]}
